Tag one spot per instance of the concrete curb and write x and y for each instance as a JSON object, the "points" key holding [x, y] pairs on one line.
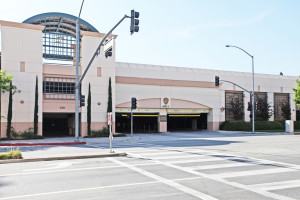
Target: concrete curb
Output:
{"points": [[62, 158], [40, 144]]}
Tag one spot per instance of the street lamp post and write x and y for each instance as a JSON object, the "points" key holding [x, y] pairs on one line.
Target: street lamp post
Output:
{"points": [[252, 57], [77, 92]]}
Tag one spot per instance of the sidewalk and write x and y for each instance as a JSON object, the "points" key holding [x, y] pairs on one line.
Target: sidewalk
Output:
{"points": [[63, 148]]}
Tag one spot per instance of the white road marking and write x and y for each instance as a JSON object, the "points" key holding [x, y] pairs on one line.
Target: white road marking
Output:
{"points": [[171, 183], [277, 185], [221, 166], [195, 160], [257, 159], [163, 195], [55, 166], [253, 172], [160, 153], [221, 180], [74, 169], [92, 188], [175, 157]]}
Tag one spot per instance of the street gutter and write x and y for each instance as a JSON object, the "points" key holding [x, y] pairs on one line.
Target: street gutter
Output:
{"points": [[66, 157]]}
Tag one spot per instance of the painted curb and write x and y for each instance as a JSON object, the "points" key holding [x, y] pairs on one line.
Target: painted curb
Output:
{"points": [[40, 144], [62, 158]]}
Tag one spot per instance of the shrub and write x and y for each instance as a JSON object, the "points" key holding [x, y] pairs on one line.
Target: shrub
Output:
{"points": [[223, 124], [27, 134], [247, 126], [104, 132], [13, 154], [296, 124]]}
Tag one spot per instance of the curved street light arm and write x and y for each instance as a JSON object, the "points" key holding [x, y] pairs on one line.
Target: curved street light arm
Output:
{"points": [[238, 86], [240, 49]]}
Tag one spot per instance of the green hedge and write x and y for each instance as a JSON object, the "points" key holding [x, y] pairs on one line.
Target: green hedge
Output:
{"points": [[11, 155], [296, 124], [259, 125]]}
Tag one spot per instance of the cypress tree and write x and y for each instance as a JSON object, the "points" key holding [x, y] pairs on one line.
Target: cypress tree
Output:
{"points": [[36, 109], [89, 111], [109, 104], [9, 113]]}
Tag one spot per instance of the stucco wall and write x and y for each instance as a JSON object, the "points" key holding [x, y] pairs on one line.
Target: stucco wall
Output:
{"points": [[22, 47], [99, 84]]}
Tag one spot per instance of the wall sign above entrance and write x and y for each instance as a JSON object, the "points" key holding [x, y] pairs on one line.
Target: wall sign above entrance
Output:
{"points": [[165, 102]]}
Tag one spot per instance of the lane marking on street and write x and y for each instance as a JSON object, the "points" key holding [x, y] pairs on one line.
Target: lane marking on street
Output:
{"points": [[171, 183], [75, 169], [195, 160], [54, 166], [263, 161], [93, 188], [253, 172], [277, 185], [217, 166], [160, 153], [163, 195], [221, 180], [176, 157]]}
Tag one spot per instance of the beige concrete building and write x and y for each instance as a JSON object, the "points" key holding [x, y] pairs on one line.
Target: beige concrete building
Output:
{"points": [[169, 98]]}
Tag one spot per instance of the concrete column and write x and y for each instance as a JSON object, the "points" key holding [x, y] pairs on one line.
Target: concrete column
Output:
{"points": [[271, 102], [213, 122], [246, 112], [162, 121], [293, 108], [222, 105]]}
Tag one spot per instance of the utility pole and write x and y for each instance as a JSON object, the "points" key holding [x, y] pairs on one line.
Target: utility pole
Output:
{"points": [[77, 92], [134, 20], [253, 96]]}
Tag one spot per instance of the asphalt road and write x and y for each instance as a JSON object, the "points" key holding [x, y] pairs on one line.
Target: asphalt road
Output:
{"points": [[198, 165]]}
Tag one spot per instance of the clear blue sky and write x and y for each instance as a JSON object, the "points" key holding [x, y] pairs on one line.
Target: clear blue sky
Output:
{"points": [[190, 33]]}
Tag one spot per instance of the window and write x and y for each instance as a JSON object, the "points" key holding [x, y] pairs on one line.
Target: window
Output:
{"points": [[279, 99], [297, 113], [262, 113], [234, 106], [59, 46], [59, 88]]}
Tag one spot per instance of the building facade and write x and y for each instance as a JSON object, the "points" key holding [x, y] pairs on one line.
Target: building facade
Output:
{"points": [[168, 98]]}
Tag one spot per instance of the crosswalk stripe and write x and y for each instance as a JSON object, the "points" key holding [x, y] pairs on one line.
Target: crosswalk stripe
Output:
{"points": [[195, 160], [277, 185], [253, 172], [224, 181], [175, 157], [171, 183], [221, 166]]}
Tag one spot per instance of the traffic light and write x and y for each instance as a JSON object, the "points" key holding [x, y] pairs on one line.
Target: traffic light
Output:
{"points": [[249, 106], [133, 103], [82, 100], [108, 52], [134, 22], [256, 105], [217, 81]]}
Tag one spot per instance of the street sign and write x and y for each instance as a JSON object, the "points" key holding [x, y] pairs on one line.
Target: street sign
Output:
{"points": [[109, 116], [108, 45]]}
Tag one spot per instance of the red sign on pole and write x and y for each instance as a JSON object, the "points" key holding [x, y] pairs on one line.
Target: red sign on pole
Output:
{"points": [[109, 115]]}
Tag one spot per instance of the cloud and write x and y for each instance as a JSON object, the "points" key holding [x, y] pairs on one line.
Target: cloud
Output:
{"points": [[188, 32]]}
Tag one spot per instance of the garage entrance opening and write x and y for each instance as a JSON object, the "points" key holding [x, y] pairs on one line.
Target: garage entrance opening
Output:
{"points": [[58, 125], [191, 122], [142, 122]]}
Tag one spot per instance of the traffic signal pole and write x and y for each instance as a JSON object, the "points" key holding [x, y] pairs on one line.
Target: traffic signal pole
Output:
{"points": [[131, 123], [238, 86], [77, 75], [97, 52]]}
